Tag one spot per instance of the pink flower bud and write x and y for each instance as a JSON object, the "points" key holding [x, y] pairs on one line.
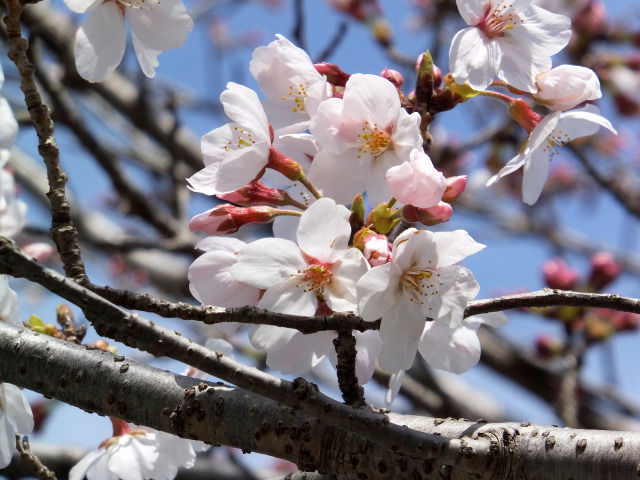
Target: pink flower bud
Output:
{"points": [[39, 250], [604, 270], [428, 216], [416, 182], [335, 76], [393, 76], [548, 347], [377, 249], [558, 275], [567, 86], [256, 193], [226, 219], [455, 187]]}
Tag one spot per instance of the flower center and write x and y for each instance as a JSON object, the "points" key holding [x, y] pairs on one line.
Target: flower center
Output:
{"points": [[498, 19], [314, 278], [373, 139], [554, 142], [297, 95], [242, 138], [419, 283]]}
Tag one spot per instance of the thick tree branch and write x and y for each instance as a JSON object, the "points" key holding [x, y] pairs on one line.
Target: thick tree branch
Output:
{"points": [[221, 414]]}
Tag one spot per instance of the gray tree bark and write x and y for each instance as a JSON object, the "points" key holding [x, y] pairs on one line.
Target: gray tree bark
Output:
{"points": [[100, 382]]}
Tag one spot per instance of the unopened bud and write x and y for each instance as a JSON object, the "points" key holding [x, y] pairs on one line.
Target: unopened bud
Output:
{"points": [[428, 216], [226, 219], [455, 187], [335, 76], [257, 193], [384, 219], [377, 249], [393, 76], [40, 251], [558, 275], [548, 347], [604, 270]]}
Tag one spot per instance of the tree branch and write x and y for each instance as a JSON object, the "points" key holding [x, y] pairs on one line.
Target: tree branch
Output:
{"points": [[221, 414]]}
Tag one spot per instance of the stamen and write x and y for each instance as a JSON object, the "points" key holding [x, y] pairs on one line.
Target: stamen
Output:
{"points": [[242, 138], [314, 278], [297, 95], [419, 283], [374, 139]]}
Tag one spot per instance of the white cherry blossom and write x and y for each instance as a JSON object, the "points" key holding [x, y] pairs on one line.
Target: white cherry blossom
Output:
{"points": [[320, 267], [567, 86], [420, 282], [137, 455], [293, 86], [510, 39], [363, 134], [237, 152], [553, 131], [156, 25]]}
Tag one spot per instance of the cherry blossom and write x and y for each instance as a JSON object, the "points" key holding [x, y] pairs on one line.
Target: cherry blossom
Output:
{"points": [[12, 210], [210, 280], [293, 86], [417, 182], [320, 267], [553, 131], [513, 40], [237, 152], [363, 135], [567, 86], [137, 455], [8, 128], [156, 25], [420, 282]]}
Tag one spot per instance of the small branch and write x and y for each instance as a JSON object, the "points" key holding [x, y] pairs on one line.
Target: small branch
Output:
{"points": [[38, 469], [352, 392], [63, 231]]}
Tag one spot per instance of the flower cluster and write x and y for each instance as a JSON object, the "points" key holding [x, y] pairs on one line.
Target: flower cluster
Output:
{"points": [[316, 144], [514, 41]]}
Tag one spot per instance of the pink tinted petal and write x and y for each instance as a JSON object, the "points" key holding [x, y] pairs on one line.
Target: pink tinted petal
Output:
{"points": [[371, 97], [224, 244], [417, 182], [471, 10], [100, 42]]}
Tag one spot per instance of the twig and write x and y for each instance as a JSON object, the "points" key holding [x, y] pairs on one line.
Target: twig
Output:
{"points": [[63, 231], [39, 470], [352, 392]]}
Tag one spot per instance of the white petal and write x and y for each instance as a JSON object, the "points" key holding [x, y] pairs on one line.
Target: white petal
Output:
{"points": [[378, 291], [165, 25], [242, 106], [270, 338], [302, 353], [451, 247], [147, 57], [400, 332], [371, 97], [17, 409], [324, 227], [82, 6], [369, 346], [289, 296], [8, 303], [473, 58], [267, 261], [493, 319], [514, 164], [536, 170], [459, 286], [7, 440], [100, 42], [452, 349], [344, 187], [81, 468], [224, 244], [395, 383]]}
